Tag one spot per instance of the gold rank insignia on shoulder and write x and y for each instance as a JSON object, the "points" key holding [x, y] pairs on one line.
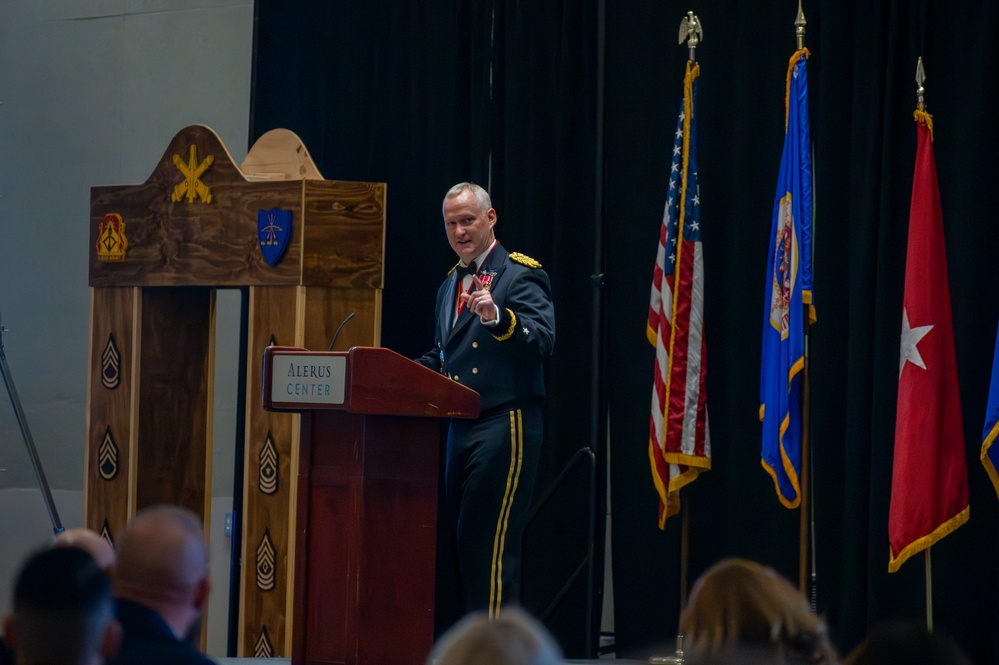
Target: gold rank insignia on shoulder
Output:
{"points": [[523, 259]]}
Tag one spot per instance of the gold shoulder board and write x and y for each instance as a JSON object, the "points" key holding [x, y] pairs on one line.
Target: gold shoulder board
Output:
{"points": [[525, 260]]}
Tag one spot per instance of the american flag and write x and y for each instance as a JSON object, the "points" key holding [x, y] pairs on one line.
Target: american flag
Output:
{"points": [[679, 445]]}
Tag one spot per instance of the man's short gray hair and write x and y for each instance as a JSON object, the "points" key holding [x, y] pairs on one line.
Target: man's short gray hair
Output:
{"points": [[480, 194]]}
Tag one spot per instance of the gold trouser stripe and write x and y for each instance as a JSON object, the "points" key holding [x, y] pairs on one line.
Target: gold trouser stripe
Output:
{"points": [[499, 540]]}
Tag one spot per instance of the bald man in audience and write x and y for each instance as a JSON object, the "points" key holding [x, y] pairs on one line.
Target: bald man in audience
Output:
{"points": [[63, 613], [161, 584]]}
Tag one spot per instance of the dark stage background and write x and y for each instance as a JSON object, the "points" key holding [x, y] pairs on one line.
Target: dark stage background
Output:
{"points": [[565, 109]]}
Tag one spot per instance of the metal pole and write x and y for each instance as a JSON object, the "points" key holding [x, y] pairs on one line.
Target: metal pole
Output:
{"points": [[921, 106], [28, 441], [811, 463], [805, 480], [805, 503], [929, 591], [684, 550]]}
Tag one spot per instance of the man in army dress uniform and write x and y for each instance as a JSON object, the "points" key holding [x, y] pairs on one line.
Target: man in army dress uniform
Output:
{"points": [[495, 330]]}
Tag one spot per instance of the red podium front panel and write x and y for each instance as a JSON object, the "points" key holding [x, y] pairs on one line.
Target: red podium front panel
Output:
{"points": [[366, 514]]}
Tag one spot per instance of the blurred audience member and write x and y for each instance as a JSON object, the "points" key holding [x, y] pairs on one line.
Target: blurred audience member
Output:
{"points": [[742, 605], [906, 643], [512, 638], [63, 613], [161, 584], [90, 542]]}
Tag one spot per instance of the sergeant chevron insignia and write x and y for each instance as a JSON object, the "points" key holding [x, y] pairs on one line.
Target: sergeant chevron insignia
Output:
{"points": [[523, 259]]}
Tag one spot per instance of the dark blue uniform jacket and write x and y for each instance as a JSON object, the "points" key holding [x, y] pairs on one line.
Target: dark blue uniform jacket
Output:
{"points": [[504, 363]]}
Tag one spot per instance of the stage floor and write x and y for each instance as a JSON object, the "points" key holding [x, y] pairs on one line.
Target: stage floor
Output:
{"points": [[287, 661]]}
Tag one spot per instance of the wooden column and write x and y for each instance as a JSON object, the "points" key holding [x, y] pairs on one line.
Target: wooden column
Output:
{"points": [[109, 486], [271, 444]]}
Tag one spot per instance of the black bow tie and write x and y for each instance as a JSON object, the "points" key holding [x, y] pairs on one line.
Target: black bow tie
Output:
{"points": [[464, 271]]}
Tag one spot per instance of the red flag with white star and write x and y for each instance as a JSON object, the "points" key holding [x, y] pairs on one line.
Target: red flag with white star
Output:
{"points": [[929, 486]]}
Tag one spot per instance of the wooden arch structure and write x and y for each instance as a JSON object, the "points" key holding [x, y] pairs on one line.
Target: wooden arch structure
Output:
{"points": [[308, 251]]}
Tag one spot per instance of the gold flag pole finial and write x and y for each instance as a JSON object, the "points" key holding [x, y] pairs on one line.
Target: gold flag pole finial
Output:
{"points": [[920, 79], [799, 27], [691, 32]]}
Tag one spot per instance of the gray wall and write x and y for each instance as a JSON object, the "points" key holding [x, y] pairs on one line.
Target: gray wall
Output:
{"points": [[91, 92]]}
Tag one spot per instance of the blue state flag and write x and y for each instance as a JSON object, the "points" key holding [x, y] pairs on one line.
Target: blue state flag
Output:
{"points": [[990, 453], [788, 291]]}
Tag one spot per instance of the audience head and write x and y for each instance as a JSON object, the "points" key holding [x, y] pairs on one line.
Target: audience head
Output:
{"points": [[63, 613], [163, 565], [512, 638], [906, 643], [90, 542], [740, 604]]}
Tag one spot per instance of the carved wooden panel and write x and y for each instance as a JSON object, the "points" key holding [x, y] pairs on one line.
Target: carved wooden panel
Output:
{"points": [[337, 236], [326, 309], [110, 488], [265, 591], [345, 241], [174, 444]]}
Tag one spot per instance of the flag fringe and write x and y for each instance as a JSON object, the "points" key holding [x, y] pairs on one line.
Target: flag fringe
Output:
{"points": [[924, 118], [920, 544], [656, 454], [806, 298], [688, 113], [787, 86], [785, 502], [702, 463], [987, 461]]}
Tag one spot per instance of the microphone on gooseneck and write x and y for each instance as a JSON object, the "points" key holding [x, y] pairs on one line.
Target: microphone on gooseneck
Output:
{"points": [[337, 333]]}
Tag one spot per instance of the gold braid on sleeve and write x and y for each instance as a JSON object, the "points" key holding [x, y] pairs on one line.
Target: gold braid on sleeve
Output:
{"points": [[509, 333]]}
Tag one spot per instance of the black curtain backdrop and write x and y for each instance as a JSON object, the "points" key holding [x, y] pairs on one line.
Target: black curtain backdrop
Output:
{"points": [[424, 94]]}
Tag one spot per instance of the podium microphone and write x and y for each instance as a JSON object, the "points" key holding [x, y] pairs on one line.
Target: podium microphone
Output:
{"points": [[337, 333]]}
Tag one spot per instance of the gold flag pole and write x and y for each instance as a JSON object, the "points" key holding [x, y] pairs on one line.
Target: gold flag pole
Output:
{"points": [[806, 415], [799, 27], [921, 108], [692, 32]]}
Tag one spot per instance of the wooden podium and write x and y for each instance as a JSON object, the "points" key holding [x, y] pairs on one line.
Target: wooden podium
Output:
{"points": [[366, 515]]}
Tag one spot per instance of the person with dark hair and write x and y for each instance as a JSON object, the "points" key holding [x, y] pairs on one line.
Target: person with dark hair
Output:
{"points": [[161, 585], [63, 613], [741, 606], [90, 542], [906, 643], [495, 330], [513, 638]]}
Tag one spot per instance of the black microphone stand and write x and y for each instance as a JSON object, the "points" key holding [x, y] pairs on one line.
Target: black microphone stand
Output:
{"points": [[15, 401]]}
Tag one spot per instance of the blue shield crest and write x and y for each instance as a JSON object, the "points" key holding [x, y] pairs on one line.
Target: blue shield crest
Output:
{"points": [[273, 232]]}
